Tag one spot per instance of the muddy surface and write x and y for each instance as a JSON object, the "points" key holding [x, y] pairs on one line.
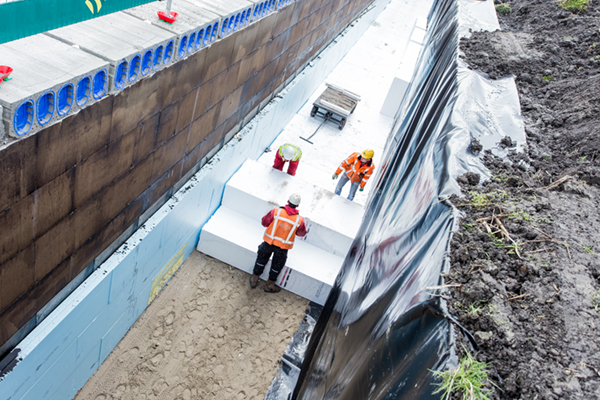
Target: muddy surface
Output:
{"points": [[526, 260]]}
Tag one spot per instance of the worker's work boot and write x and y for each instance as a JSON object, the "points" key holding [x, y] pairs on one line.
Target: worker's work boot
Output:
{"points": [[271, 287], [253, 281]]}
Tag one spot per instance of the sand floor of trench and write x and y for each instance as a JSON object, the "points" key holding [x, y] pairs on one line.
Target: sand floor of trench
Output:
{"points": [[207, 335]]}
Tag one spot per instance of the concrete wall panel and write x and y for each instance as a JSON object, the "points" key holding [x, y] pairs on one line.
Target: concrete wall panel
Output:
{"points": [[231, 82], [217, 89], [16, 277], [169, 154], [298, 31], [102, 168], [61, 146], [51, 284], [17, 168], [136, 103], [218, 58], [145, 138], [229, 105], [19, 314], [191, 75], [53, 202], [245, 42], [305, 8], [265, 30], [86, 221], [187, 106], [54, 247], [17, 228], [284, 18], [203, 126], [274, 48], [167, 123]]}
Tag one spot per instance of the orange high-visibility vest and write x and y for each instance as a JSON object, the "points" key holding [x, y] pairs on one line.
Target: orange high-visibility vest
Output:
{"points": [[282, 230], [355, 170]]}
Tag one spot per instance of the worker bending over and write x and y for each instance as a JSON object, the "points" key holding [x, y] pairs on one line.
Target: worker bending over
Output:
{"points": [[357, 168], [283, 224], [288, 152]]}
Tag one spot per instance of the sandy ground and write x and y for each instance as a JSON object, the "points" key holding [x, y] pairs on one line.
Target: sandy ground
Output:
{"points": [[207, 335]]}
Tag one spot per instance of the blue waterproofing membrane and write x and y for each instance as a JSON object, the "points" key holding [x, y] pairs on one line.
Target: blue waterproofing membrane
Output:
{"points": [[382, 331]]}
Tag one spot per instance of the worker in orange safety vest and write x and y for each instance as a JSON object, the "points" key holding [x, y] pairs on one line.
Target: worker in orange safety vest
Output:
{"points": [[357, 168], [283, 225]]}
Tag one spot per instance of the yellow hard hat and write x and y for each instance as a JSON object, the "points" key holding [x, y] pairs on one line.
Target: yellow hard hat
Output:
{"points": [[368, 154]]}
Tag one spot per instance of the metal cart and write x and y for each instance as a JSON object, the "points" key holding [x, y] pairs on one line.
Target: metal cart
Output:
{"points": [[335, 104]]}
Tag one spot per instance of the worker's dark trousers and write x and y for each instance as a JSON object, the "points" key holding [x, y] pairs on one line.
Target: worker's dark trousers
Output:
{"points": [[264, 253]]}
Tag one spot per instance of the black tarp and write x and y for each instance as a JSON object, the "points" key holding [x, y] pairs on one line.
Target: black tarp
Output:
{"points": [[383, 329]]}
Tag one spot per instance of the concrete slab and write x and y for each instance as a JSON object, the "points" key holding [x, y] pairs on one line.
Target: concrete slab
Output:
{"points": [[50, 79], [234, 13], [127, 43], [234, 238], [193, 26]]}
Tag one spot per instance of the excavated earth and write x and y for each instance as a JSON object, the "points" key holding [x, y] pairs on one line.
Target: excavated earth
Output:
{"points": [[525, 272]]}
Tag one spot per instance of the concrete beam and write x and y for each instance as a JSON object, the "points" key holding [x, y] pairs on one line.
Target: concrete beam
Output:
{"points": [[193, 26], [50, 80], [127, 43]]}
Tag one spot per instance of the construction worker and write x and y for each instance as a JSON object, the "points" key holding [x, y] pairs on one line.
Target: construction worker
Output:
{"points": [[357, 169], [288, 152], [283, 225]]}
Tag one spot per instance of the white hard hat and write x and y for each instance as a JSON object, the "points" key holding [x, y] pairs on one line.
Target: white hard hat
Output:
{"points": [[288, 153], [295, 199]]}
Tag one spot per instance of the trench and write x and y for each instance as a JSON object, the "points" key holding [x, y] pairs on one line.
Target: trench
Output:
{"points": [[399, 251]]}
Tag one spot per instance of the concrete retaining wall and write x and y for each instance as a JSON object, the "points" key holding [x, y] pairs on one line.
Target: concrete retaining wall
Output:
{"points": [[70, 191]]}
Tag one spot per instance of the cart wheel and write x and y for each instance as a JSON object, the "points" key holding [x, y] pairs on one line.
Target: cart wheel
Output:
{"points": [[314, 110], [342, 123]]}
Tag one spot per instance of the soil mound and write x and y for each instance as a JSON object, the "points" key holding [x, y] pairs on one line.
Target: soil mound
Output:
{"points": [[526, 260]]}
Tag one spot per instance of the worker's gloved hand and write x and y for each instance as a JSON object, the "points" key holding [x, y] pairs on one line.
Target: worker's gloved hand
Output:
{"points": [[334, 176], [361, 189]]}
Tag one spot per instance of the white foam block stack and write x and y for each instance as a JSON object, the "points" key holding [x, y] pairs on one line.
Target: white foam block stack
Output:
{"points": [[234, 233], [193, 26], [406, 69]]}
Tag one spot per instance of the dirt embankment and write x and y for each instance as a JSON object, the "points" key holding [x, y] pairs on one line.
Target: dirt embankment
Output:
{"points": [[527, 255]]}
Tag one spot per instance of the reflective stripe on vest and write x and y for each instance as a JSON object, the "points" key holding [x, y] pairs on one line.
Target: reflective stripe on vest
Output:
{"points": [[297, 151], [270, 233]]}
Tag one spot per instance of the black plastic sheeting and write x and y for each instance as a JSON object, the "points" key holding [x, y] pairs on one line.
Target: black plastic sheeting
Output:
{"points": [[384, 327]]}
